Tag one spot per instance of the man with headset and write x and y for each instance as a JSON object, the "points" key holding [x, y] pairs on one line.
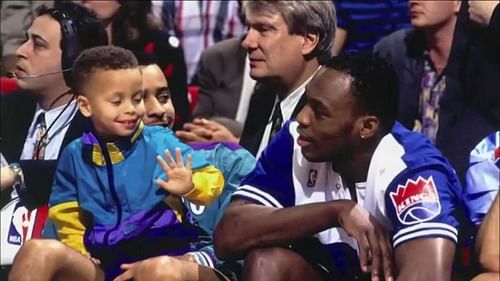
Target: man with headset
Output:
{"points": [[42, 118]]}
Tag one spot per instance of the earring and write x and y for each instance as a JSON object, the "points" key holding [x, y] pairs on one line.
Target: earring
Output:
{"points": [[363, 137]]}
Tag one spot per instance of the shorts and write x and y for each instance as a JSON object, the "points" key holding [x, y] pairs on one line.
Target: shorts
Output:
{"points": [[337, 261]]}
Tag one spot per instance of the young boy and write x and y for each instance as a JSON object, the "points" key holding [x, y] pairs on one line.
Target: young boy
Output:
{"points": [[105, 201], [232, 160]]}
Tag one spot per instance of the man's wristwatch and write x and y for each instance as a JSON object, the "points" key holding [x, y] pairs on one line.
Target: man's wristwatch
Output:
{"points": [[18, 177], [18, 173]]}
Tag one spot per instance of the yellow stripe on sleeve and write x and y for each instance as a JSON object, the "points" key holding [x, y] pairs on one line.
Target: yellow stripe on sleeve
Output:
{"points": [[66, 218], [208, 184]]}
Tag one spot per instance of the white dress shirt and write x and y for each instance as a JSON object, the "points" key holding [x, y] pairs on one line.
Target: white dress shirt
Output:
{"points": [[58, 128], [287, 107], [246, 93]]}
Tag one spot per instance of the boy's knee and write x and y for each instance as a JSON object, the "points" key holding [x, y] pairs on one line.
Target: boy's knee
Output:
{"points": [[44, 247]]}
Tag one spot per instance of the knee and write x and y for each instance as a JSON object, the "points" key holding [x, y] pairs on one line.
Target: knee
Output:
{"points": [[266, 263], [43, 248], [159, 268]]}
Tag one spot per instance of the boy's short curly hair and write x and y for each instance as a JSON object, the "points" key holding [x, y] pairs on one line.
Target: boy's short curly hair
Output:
{"points": [[100, 58]]}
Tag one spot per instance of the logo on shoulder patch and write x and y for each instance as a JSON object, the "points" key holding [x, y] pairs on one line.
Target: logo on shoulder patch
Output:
{"points": [[416, 201]]}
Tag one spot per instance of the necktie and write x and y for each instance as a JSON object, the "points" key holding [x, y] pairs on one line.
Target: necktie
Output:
{"points": [[433, 87], [41, 138], [277, 119]]}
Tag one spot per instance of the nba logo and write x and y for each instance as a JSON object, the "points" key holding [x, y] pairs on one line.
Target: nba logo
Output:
{"points": [[416, 201], [19, 225], [313, 176], [26, 224]]}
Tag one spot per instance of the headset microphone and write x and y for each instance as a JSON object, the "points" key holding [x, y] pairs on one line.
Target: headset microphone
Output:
{"points": [[15, 76]]}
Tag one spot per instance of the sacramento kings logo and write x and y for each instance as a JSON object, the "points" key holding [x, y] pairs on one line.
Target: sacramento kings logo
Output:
{"points": [[416, 201]]}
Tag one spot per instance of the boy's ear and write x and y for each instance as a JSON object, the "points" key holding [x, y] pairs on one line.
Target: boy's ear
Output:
{"points": [[83, 104]]}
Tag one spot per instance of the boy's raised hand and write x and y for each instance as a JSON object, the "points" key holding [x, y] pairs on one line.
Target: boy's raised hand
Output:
{"points": [[179, 176]]}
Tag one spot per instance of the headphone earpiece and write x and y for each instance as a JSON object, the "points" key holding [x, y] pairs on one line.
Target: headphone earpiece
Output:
{"points": [[70, 44]]}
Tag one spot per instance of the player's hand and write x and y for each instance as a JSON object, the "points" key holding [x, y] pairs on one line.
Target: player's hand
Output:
{"points": [[179, 176], [129, 271], [481, 11], [375, 251]]}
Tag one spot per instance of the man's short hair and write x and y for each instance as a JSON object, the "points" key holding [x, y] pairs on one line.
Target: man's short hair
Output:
{"points": [[80, 30], [373, 83], [303, 17], [100, 58]]}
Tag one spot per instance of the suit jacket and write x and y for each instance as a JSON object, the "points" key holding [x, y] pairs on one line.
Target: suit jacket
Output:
{"points": [[259, 113], [469, 108], [220, 77], [17, 112]]}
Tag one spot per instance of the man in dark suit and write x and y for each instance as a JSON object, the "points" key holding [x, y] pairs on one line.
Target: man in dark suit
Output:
{"points": [[285, 48], [461, 55], [42, 118], [223, 83], [220, 77]]}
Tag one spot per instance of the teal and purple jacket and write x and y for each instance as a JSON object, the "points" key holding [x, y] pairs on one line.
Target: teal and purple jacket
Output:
{"points": [[105, 201]]}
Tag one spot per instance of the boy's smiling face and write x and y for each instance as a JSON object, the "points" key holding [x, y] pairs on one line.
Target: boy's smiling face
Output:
{"points": [[113, 99]]}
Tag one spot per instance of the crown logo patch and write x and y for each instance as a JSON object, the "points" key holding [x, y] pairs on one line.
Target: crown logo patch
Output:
{"points": [[416, 201]]}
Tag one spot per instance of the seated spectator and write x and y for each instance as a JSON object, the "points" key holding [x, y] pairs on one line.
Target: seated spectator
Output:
{"points": [[131, 25], [199, 25], [345, 163], [361, 24], [286, 42], [233, 161], [482, 179], [448, 74], [105, 201], [40, 119], [488, 244], [16, 17]]}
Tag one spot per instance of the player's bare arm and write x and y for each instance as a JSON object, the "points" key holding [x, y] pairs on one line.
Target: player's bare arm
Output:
{"points": [[246, 226], [435, 263]]}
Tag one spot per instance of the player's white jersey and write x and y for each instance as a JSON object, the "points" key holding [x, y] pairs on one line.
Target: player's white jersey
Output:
{"points": [[411, 188]]}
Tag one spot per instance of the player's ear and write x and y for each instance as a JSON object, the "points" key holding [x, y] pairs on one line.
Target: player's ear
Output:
{"points": [[367, 126], [84, 106]]}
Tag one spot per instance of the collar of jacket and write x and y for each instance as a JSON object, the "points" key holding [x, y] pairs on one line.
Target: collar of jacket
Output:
{"points": [[118, 150]]}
